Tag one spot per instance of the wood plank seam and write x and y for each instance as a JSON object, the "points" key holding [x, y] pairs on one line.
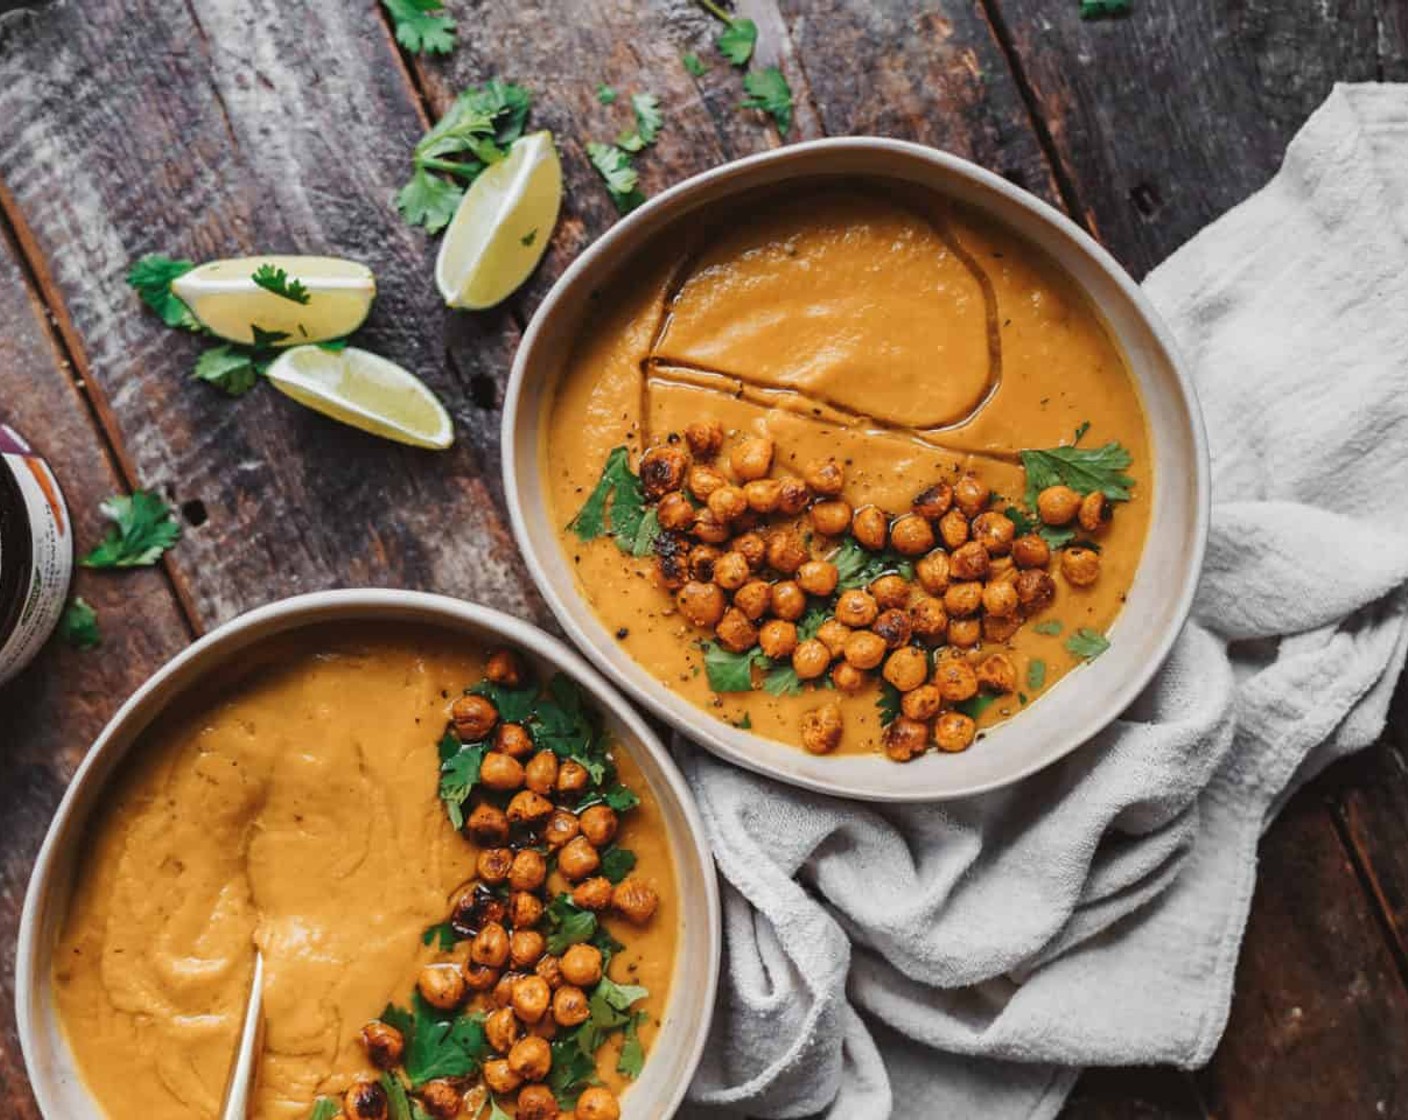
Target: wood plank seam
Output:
{"points": [[1340, 811]]}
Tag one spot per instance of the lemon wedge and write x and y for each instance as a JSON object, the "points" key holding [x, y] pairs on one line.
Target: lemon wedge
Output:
{"points": [[364, 390], [323, 298], [502, 227]]}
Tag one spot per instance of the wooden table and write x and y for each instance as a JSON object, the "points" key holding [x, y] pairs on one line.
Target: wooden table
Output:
{"points": [[220, 127]]}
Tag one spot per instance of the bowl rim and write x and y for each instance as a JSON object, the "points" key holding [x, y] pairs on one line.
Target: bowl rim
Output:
{"points": [[331, 607], [712, 186]]}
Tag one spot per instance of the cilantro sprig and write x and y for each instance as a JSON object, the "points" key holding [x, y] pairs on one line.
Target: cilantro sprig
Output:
{"points": [[278, 281], [151, 276], [1087, 644], [649, 121], [143, 527], [326, 1108], [422, 27], [438, 1044], [618, 173], [79, 625], [769, 92], [1083, 469], [617, 505], [739, 36]]}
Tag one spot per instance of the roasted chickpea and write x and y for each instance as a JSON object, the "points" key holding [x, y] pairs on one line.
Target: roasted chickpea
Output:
{"points": [[894, 627], [1058, 505], [994, 531], [506, 668], [384, 1044], [570, 1007], [753, 599], [963, 599], [440, 1099], [731, 571], [1000, 628], [856, 608], [676, 512], [1080, 566], [891, 591], [1031, 551], [1035, 590], [865, 650], [581, 965], [906, 738], [953, 529], [817, 577], [751, 458], [736, 633], [530, 1058], [825, 476], [701, 560], [728, 504], [709, 528], [502, 994], [955, 679], [810, 659], [870, 527], [474, 717], [473, 904], [536, 1102], [662, 469], [971, 496], [847, 678], [831, 519], [441, 985], [549, 968], [786, 551], [778, 638], [965, 633], [794, 496], [578, 859], [499, 1077], [593, 894], [703, 481], [487, 824], [529, 870], [599, 825], [833, 634], [751, 547], [572, 777], [525, 909], [922, 703], [514, 740], [502, 1029], [671, 560], [494, 864], [1000, 599], [787, 600], [531, 996], [997, 673], [954, 732], [366, 1100], [928, 619], [490, 947], [529, 808], [822, 728], [598, 1103], [911, 535], [906, 668], [562, 826], [969, 561], [479, 977], [763, 495], [540, 775], [704, 438], [634, 900], [1095, 512], [933, 503], [933, 572]]}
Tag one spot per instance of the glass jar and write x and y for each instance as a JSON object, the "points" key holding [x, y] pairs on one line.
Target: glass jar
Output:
{"points": [[36, 553]]}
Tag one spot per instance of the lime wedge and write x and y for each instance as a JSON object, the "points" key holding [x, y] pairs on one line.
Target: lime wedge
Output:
{"points": [[366, 391], [333, 297], [502, 227]]}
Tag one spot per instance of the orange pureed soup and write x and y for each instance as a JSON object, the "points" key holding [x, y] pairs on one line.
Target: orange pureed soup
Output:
{"points": [[910, 343], [295, 808]]}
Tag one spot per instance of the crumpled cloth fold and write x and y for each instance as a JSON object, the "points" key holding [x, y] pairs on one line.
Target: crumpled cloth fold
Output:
{"points": [[969, 958]]}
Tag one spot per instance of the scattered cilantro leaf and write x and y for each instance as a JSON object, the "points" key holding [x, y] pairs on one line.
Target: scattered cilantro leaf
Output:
{"points": [[780, 679], [1081, 429], [620, 798], [528, 238], [857, 566], [438, 1044], [79, 625], [622, 180], [632, 1059], [459, 774], [398, 1105], [744, 724], [643, 544], [617, 863], [428, 201], [1050, 627], [332, 345], [737, 40], [1083, 469], [422, 25], [326, 1108], [768, 91], [1087, 643], [1103, 9], [730, 672], [618, 997], [514, 705], [228, 367], [151, 276], [975, 706], [888, 703], [693, 64], [649, 121], [278, 281], [442, 933], [496, 1110], [142, 529], [1055, 536], [1036, 674], [573, 1064], [568, 924], [605, 94], [811, 623], [631, 524]]}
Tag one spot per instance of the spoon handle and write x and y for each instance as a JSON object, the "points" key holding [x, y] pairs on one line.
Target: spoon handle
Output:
{"points": [[242, 1074]]}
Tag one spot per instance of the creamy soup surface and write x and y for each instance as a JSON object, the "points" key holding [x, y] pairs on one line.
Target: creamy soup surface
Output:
{"points": [[911, 340], [295, 810]]}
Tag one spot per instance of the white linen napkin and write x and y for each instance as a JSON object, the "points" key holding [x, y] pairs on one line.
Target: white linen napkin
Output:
{"points": [[968, 958]]}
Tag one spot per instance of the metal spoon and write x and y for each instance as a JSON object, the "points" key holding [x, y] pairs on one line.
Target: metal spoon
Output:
{"points": [[237, 1092]]}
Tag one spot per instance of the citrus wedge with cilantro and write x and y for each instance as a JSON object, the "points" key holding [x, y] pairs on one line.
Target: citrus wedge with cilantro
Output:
{"points": [[502, 227], [364, 390], [278, 300]]}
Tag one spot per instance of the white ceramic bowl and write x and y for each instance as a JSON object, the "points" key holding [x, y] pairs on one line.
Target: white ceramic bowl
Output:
{"points": [[58, 1087], [1086, 699]]}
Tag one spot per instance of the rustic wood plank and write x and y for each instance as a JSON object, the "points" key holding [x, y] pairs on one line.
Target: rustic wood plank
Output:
{"points": [[1156, 1093], [227, 128], [52, 711]]}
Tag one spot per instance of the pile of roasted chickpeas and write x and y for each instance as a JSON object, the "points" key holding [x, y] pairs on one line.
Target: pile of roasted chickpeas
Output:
{"points": [[526, 993], [746, 553]]}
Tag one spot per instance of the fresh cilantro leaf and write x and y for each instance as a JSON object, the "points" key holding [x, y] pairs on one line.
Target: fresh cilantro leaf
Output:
{"points": [[857, 566], [1050, 627], [768, 91], [326, 1108], [428, 201], [398, 1104], [437, 1044], [975, 706], [496, 1110], [1036, 674], [888, 704], [459, 774], [227, 367], [528, 238], [1055, 536], [332, 345], [1081, 429], [568, 924], [151, 277], [573, 1064], [618, 797], [1087, 643], [643, 544], [422, 25], [649, 121], [619, 486], [605, 94], [811, 623], [614, 167], [277, 280], [693, 64], [617, 997], [744, 724], [737, 40], [632, 1059], [563, 724], [1102, 9], [143, 528], [730, 672], [617, 863], [514, 705], [1083, 469], [79, 625], [781, 680], [442, 933]]}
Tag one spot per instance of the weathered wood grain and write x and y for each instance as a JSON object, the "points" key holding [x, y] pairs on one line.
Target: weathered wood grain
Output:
{"points": [[51, 712], [1156, 1093]]}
